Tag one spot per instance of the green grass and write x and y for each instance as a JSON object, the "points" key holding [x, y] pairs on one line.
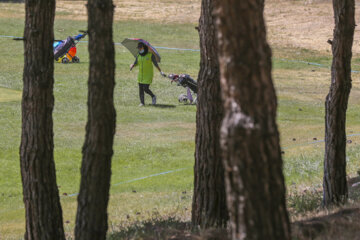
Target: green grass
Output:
{"points": [[8, 95], [148, 140], [153, 140]]}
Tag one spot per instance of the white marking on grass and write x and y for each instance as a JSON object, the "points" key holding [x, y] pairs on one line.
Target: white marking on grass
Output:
{"points": [[311, 63], [4, 36], [140, 178], [116, 184]]}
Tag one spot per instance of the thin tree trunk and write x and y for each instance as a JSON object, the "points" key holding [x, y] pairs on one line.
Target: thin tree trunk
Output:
{"points": [[335, 184], [249, 135], [41, 196], [209, 200], [91, 219]]}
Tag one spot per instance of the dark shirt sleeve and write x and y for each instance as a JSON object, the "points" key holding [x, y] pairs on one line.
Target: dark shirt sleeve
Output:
{"points": [[153, 59], [136, 61]]}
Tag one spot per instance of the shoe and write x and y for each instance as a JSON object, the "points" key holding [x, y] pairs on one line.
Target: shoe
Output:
{"points": [[154, 100], [141, 105]]}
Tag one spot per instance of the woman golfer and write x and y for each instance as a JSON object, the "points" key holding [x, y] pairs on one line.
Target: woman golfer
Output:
{"points": [[145, 61]]}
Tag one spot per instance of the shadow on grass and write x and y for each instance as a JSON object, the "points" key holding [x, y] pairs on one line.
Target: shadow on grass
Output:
{"points": [[186, 104], [342, 225], [170, 228], [335, 223], [12, 1], [162, 106]]}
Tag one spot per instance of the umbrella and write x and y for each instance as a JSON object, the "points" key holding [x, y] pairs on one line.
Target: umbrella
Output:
{"points": [[132, 43]]}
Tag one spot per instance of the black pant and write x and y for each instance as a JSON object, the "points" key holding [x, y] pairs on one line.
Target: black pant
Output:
{"points": [[144, 88]]}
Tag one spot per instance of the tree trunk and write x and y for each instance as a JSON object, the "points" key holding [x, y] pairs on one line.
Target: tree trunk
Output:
{"points": [[41, 196], [249, 136], [335, 185], [91, 219], [209, 200]]}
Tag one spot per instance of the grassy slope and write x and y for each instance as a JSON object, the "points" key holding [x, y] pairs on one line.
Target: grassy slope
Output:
{"points": [[149, 140], [153, 140]]}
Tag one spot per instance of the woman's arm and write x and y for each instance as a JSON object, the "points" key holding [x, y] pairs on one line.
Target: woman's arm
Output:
{"points": [[134, 64], [153, 59]]}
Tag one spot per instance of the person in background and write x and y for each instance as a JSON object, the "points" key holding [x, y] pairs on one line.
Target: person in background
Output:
{"points": [[145, 60]]}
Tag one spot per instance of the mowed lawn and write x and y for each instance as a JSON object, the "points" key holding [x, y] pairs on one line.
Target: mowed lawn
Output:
{"points": [[152, 169]]}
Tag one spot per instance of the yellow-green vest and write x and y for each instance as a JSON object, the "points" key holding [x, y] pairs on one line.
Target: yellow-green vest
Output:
{"points": [[146, 69]]}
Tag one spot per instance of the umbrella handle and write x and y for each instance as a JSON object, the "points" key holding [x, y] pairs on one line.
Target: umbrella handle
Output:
{"points": [[131, 66]]}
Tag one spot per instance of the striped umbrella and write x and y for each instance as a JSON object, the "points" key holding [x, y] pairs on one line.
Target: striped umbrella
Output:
{"points": [[132, 43]]}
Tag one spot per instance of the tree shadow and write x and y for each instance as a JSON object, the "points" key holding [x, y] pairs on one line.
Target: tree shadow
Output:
{"points": [[170, 228], [341, 225], [155, 229]]}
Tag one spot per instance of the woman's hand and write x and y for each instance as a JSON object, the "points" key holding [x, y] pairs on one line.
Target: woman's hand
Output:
{"points": [[131, 66]]}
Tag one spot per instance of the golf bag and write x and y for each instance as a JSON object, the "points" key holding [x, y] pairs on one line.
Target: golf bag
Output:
{"points": [[63, 47], [187, 82], [65, 50]]}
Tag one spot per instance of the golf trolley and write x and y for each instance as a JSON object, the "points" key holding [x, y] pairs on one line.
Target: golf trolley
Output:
{"points": [[187, 82], [65, 50]]}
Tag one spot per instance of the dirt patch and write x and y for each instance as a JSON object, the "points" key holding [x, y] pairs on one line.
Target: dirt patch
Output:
{"points": [[300, 24], [164, 11], [303, 24], [296, 24], [167, 11]]}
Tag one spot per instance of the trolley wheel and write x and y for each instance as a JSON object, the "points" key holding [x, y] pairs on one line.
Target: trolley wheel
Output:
{"points": [[182, 98], [65, 60], [76, 59]]}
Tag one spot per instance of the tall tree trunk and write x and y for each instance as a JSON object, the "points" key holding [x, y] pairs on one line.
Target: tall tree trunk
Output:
{"points": [[41, 196], [91, 219], [209, 200], [335, 185], [249, 136]]}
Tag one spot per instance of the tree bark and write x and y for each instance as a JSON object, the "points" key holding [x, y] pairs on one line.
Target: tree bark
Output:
{"points": [[249, 136], [209, 199], [40, 192], [335, 184], [91, 219]]}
